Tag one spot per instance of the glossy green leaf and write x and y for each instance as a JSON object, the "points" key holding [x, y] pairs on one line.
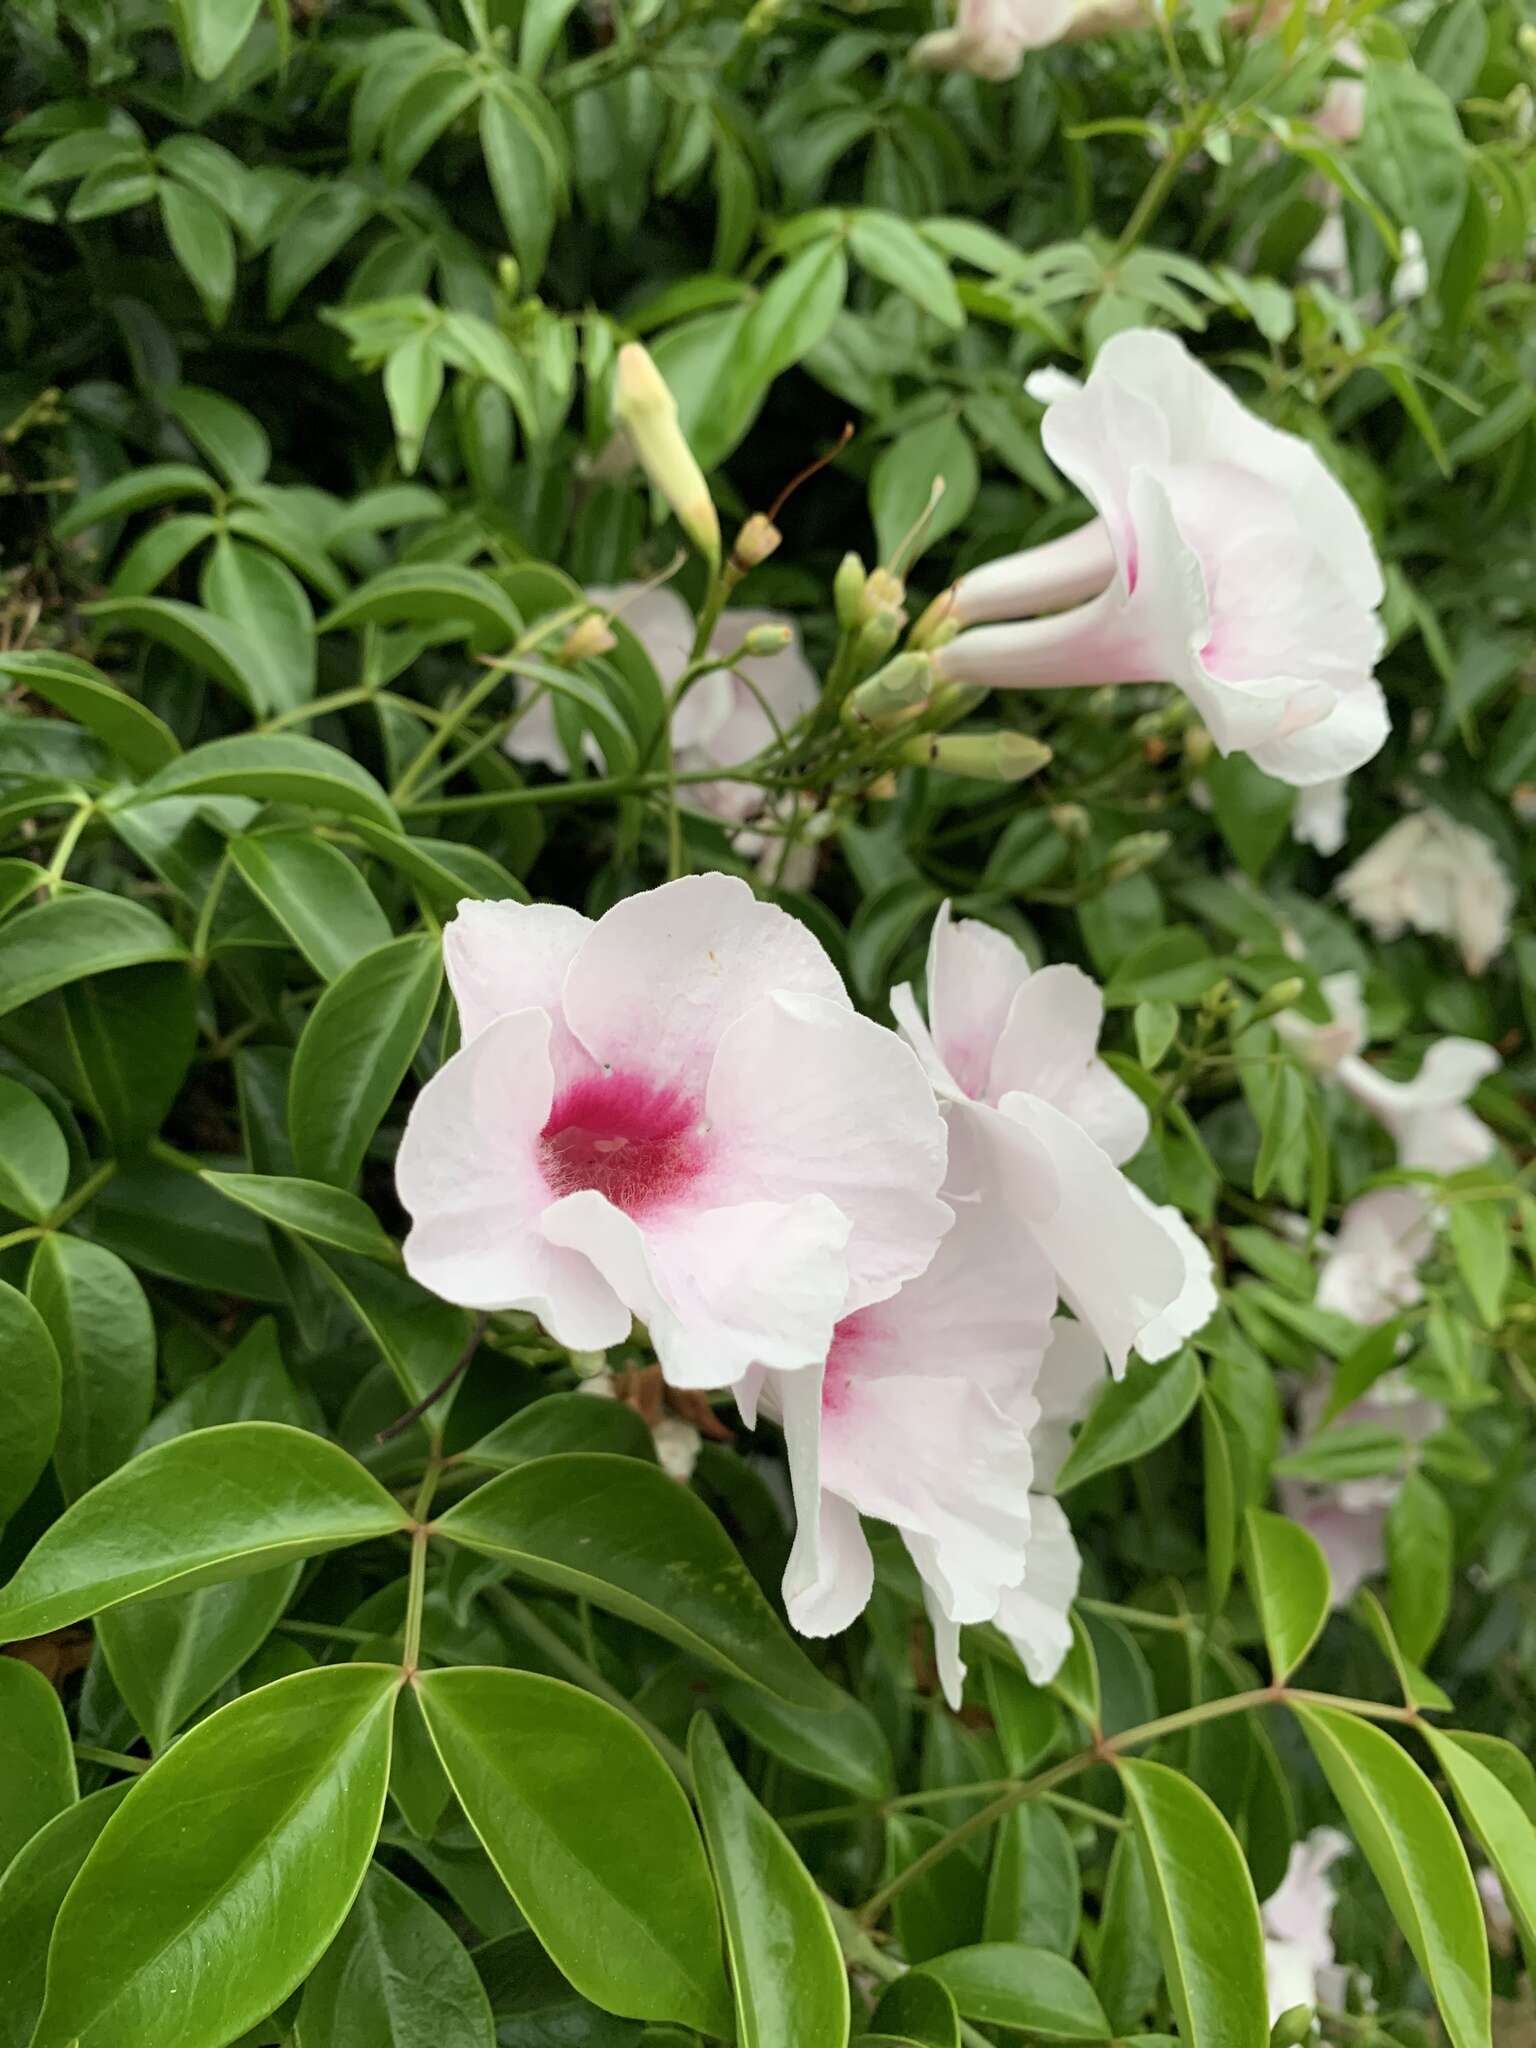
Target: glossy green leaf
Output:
{"points": [[1204, 1909], [316, 895], [535, 2007], [82, 692], [30, 1398], [1421, 1542], [34, 1159], [430, 594], [81, 933], [212, 31], [153, 484], [396, 1976], [592, 1837], [213, 1505], [1500, 1822], [201, 638], [1025, 1716], [842, 1746], [1289, 1579], [1132, 1416], [1003, 1984], [222, 1878], [134, 1034], [564, 1422], [265, 602], [419, 1337], [787, 1969], [280, 767], [626, 1537], [915, 2009], [1481, 1240], [355, 1051], [201, 238], [1411, 1844], [1128, 1963], [1034, 1886], [891, 248], [32, 1890], [310, 1209], [1514, 1771], [1418, 1691], [1221, 1502], [104, 1334], [233, 440], [37, 1758]]}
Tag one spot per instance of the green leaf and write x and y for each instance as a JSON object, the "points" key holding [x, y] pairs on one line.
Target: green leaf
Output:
{"points": [[1421, 1542], [1417, 1690], [209, 1506], [202, 242], [30, 1398], [792, 316], [316, 895], [233, 440], [1412, 1846], [517, 163], [592, 1837], [34, 1159], [311, 237], [1499, 1821], [563, 1422], [281, 768], [220, 1881], [419, 1337], [1221, 1502], [355, 1051], [1206, 1915], [413, 383], [211, 32], [79, 933], [1514, 1771], [1284, 1118], [430, 594], [31, 1893], [83, 693], [1003, 1984], [310, 1209], [892, 249], [1252, 809], [903, 480], [623, 1535], [1132, 1416], [264, 601], [1481, 1240], [917, 2010], [772, 1911], [1034, 1886], [200, 637], [1412, 150], [1289, 1579], [37, 1757], [843, 1746], [1025, 1716], [1361, 1367], [1156, 1026], [104, 1334], [132, 492], [1128, 1966], [396, 1976], [446, 869]]}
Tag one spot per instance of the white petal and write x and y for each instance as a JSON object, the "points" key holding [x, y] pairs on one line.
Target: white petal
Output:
{"points": [[719, 1289], [974, 973], [1118, 1265], [806, 1097], [1049, 1047], [1036, 1617], [468, 1174], [1354, 732], [502, 957], [1040, 579], [1426, 1116], [1321, 817], [831, 1573], [1371, 1270], [662, 975], [913, 1027], [1197, 1300], [1071, 1374], [946, 1650]]}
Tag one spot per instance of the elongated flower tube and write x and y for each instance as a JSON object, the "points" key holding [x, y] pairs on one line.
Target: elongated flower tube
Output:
{"points": [[648, 412], [1234, 566], [674, 1114]]}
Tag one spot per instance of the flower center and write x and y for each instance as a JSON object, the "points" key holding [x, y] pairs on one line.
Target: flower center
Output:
{"points": [[636, 1144]]}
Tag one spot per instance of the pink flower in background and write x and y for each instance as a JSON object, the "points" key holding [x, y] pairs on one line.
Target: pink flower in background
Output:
{"points": [[1428, 1117], [1321, 817], [1372, 1268], [671, 1114], [1298, 1924], [724, 719], [1431, 875], [1039, 1127], [921, 1418], [1325, 1046], [990, 38], [1225, 559]]}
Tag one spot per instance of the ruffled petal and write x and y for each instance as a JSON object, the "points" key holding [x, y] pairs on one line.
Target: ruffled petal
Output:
{"points": [[831, 1573], [502, 957], [1049, 1047], [806, 1097], [974, 973], [1071, 1374], [1196, 1301], [1036, 1617]]}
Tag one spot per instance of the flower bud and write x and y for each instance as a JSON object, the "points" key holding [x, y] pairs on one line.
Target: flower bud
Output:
{"points": [[882, 596], [987, 756], [757, 540], [1198, 746], [937, 624], [1280, 995], [587, 1365], [896, 693], [648, 412], [1138, 850], [591, 635], [508, 277], [877, 636], [1292, 2028], [848, 591], [1071, 821], [767, 640]]}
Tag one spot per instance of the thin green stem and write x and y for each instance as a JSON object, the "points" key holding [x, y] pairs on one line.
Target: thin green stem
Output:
{"points": [[416, 1585], [1081, 1810], [113, 1759], [1155, 192], [576, 1668], [88, 1189], [203, 933], [68, 840], [317, 707], [25, 1236], [465, 709]]}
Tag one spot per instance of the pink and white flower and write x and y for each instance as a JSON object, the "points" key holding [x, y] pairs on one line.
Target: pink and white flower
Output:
{"points": [[1298, 1924], [1321, 817], [1428, 874], [1427, 1117], [724, 719], [1039, 1128], [1225, 559], [1325, 1046], [991, 37], [1371, 1270], [674, 1114]]}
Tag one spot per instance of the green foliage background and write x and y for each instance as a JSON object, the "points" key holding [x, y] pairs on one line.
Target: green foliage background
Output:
{"points": [[311, 318]]}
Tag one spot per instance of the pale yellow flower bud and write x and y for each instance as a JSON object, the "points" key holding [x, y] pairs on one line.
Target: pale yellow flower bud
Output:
{"points": [[767, 640], [987, 756], [591, 635], [648, 412], [757, 540]]}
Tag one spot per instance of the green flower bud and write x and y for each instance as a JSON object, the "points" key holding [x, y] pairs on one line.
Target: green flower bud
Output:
{"points": [[767, 640], [1139, 850], [848, 591], [987, 756], [648, 412], [896, 693]]}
